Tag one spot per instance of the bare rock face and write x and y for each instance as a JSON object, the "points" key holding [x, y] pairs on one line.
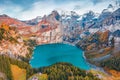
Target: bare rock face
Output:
{"points": [[50, 29], [51, 36], [13, 50]]}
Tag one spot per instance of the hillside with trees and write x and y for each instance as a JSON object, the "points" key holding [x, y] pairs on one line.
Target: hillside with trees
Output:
{"points": [[66, 71]]}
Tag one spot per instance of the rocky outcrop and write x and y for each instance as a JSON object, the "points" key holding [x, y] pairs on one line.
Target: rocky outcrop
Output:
{"points": [[51, 36], [13, 50]]}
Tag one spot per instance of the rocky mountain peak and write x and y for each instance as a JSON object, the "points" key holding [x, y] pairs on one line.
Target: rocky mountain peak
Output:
{"points": [[55, 14], [4, 15], [110, 6]]}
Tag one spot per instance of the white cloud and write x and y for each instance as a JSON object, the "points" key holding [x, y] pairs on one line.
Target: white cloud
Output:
{"points": [[41, 8], [97, 8], [10, 9], [38, 8]]}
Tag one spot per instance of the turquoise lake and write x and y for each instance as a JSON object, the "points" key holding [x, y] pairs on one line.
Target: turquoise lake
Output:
{"points": [[48, 54]]}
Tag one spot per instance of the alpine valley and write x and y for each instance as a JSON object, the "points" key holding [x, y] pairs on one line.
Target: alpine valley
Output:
{"points": [[97, 35]]}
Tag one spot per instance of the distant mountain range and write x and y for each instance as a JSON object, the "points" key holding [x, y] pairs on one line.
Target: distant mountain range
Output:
{"points": [[77, 26], [70, 27]]}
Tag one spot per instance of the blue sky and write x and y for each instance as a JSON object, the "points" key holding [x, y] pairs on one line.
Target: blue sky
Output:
{"points": [[28, 9]]}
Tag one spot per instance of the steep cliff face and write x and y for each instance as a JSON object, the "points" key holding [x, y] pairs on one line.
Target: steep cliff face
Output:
{"points": [[50, 29], [51, 36]]}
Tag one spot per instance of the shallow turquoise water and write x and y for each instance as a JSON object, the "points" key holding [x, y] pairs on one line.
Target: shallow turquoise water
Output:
{"points": [[48, 54]]}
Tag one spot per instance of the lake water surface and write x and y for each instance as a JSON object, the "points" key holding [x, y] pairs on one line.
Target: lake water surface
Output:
{"points": [[48, 54]]}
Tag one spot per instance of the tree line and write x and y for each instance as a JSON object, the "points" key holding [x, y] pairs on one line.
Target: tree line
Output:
{"points": [[66, 71], [5, 67]]}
